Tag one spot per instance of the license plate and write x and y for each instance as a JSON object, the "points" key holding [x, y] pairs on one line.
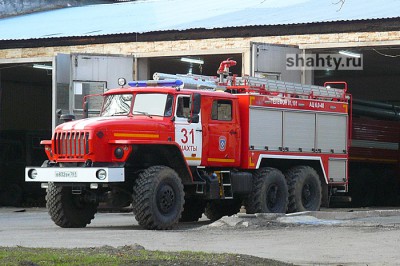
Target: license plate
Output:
{"points": [[66, 174]]}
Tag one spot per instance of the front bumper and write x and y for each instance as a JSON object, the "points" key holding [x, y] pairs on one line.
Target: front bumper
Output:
{"points": [[74, 174]]}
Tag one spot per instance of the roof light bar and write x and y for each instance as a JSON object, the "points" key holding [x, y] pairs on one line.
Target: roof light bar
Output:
{"points": [[156, 83]]}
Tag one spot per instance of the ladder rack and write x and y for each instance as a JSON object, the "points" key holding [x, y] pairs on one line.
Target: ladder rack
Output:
{"points": [[249, 84], [312, 91]]}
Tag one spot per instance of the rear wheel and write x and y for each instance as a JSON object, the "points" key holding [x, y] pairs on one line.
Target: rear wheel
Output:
{"points": [[158, 198], [270, 192], [69, 210], [304, 189]]}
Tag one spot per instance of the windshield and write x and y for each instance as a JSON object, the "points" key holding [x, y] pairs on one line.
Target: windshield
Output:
{"points": [[117, 104], [158, 104]]}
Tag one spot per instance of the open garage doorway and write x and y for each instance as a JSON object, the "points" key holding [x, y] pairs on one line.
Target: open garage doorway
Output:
{"points": [[205, 64], [379, 79], [374, 154], [25, 119]]}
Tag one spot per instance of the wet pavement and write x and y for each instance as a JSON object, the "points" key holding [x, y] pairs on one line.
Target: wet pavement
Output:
{"points": [[334, 236]]}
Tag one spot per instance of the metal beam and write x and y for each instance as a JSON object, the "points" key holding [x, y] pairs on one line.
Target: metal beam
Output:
{"points": [[191, 52], [349, 44], [26, 60]]}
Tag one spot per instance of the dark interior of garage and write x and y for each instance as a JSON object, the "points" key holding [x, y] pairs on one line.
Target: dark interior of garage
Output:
{"points": [[378, 81], [26, 94], [25, 119], [174, 65], [375, 109]]}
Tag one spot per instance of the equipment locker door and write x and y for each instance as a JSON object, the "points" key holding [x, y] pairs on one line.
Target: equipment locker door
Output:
{"points": [[269, 61], [77, 75]]}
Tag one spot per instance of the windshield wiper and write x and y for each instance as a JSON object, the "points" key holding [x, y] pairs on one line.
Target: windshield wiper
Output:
{"points": [[143, 113]]}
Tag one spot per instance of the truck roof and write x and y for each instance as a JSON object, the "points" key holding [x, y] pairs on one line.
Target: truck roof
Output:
{"points": [[170, 90]]}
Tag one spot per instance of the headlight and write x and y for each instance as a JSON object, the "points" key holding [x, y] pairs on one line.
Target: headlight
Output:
{"points": [[32, 174], [101, 174]]}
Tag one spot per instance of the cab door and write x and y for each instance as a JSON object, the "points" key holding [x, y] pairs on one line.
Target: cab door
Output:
{"points": [[188, 134], [223, 134]]}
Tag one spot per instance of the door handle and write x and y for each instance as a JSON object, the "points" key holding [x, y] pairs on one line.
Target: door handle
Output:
{"points": [[199, 130], [232, 132]]}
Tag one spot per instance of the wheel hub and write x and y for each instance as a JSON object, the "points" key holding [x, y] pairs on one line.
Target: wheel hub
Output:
{"points": [[165, 199], [307, 195], [272, 194]]}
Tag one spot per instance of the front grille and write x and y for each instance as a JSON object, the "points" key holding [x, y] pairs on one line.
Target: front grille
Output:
{"points": [[71, 144]]}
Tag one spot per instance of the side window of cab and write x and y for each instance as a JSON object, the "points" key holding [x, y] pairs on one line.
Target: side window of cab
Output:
{"points": [[221, 110], [183, 106]]}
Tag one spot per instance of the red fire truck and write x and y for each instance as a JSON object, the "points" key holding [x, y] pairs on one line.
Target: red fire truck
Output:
{"points": [[183, 145]]}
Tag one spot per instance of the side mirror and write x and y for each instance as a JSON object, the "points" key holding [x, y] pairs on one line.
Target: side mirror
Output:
{"points": [[195, 119], [196, 105], [196, 102], [58, 113], [67, 117], [85, 109]]}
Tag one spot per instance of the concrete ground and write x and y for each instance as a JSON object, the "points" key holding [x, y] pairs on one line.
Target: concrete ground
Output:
{"points": [[335, 237]]}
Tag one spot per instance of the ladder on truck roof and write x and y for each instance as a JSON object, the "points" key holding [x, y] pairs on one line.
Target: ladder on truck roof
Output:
{"points": [[312, 91], [247, 84], [257, 85]]}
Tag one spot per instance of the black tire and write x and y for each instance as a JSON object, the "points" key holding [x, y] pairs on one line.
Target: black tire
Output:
{"points": [[305, 192], [193, 209], [69, 210], [270, 192], [217, 209], [158, 198]]}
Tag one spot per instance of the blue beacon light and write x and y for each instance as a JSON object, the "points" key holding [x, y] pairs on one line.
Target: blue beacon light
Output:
{"points": [[161, 83]]}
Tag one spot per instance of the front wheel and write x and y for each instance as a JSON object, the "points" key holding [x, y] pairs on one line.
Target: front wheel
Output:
{"points": [[158, 198], [270, 192], [69, 210], [305, 191]]}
